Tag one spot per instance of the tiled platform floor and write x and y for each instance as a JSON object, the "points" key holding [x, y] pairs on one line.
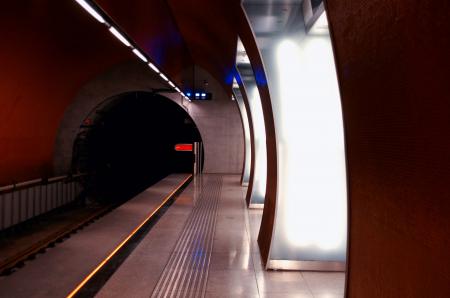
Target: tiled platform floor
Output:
{"points": [[234, 267]]}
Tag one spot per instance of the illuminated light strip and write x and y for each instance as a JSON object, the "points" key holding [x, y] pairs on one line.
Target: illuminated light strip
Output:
{"points": [[164, 77], [99, 266], [91, 11], [140, 55], [152, 66], [119, 36]]}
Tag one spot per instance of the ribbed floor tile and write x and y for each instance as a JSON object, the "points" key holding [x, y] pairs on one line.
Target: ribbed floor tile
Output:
{"points": [[186, 272]]}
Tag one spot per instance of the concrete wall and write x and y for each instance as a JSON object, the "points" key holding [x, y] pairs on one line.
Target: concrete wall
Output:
{"points": [[220, 125], [217, 120]]}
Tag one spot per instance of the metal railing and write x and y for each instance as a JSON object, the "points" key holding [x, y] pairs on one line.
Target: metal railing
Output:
{"points": [[20, 202]]}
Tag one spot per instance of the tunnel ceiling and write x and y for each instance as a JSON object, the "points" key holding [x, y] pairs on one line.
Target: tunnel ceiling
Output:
{"points": [[179, 34], [50, 49]]}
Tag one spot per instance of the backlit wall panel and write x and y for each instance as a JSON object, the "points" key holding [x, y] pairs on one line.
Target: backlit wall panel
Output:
{"points": [[247, 144], [260, 172], [310, 227], [311, 218]]}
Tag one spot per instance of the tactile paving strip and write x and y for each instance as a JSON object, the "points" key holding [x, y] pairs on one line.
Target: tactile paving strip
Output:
{"points": [[186, 272]]}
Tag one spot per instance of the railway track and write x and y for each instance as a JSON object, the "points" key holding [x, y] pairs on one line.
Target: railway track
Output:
{"points": [[17, 260]]}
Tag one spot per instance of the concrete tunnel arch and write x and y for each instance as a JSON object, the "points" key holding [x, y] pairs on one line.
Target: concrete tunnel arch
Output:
{"points": [[218, 121]]}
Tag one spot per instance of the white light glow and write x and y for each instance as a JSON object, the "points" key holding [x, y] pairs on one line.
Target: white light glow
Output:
{"points": [[171, 84], [259, 132], [245, 122], [91, 11], [119, 36], [152, 66], [311, 147], [140, 55], [177, 89], [320, 26], [163, 77]]}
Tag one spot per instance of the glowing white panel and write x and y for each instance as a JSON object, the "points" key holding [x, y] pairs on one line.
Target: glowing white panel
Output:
{"points": [[260, 171], [311, 212], [119, 36], [247, 144], [258, 191], [91, 11]]}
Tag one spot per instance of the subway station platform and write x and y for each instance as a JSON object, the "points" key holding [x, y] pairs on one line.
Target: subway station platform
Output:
{"points": [[204, 245]]}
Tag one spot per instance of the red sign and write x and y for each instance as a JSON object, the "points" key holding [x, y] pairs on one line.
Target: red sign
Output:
{"points": [[183, 147]]}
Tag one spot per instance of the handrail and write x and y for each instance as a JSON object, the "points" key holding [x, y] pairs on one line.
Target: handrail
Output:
{"points": [[37, 182], [25, 200]]}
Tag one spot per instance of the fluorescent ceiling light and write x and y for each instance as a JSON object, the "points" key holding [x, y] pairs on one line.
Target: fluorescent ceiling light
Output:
{"points": [[177, 89], [152, 66], [91, 10], [171, 84], [119, 36], [140, 55], [163, 76]]}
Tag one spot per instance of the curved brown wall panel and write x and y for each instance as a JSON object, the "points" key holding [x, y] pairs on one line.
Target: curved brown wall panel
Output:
{"points": [[393, 63], [49, 49], [249, 42]]}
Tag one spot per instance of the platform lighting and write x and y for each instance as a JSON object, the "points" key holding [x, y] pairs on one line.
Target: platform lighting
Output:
{"points": [[163, 77], [140, 55], [152, 66], [197, 94], [119, 36], [91, 11], [203, 94], [125, 41]]}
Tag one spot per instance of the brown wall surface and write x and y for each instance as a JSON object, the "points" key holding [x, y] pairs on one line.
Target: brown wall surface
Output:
{"points": [[48, 50], [393, 62]]}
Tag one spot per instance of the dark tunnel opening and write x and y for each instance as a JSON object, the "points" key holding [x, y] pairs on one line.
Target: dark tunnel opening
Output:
{"points": [[127, 144]]}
